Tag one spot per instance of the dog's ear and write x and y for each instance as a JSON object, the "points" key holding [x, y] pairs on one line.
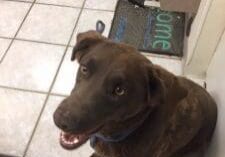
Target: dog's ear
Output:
{"points": [[85, 41], [156, 87]]}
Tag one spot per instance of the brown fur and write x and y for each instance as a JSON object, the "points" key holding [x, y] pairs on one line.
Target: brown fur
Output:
{"points": [[182, 114]]}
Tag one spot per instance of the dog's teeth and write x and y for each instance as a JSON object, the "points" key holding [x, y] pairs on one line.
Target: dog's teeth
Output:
{"points": [[76, 140], [67, 142], [64, 140]]}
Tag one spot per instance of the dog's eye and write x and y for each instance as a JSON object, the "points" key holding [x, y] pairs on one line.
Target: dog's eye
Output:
{"points": [[84, 70], [119, 91]]}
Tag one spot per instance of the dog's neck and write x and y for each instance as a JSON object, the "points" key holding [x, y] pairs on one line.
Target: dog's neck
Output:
{"points": [[174, 90], [119, 131]]}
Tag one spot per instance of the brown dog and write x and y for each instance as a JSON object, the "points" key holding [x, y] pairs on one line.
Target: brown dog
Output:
{"points": [[129, 107]]}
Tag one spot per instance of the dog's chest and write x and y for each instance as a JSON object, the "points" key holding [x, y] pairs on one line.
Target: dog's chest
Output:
{"points": [[134, 148]]}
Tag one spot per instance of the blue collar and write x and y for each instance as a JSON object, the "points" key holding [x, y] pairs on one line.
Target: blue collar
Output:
{"points": [[118, 137]]}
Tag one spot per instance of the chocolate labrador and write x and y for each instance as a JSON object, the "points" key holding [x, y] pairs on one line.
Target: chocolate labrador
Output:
{"points": [[129, 107]]}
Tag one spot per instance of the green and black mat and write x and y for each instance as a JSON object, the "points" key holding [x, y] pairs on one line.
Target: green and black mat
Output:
{"points": [[149, 29]]}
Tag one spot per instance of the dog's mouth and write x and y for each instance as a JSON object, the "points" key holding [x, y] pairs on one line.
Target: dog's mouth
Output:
{"points": [[72, 141]]}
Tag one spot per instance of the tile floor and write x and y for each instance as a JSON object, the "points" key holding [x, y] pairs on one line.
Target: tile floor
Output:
{"points": [[36, 73]]}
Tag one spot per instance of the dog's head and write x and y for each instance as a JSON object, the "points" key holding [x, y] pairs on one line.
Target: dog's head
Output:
{"points": [[114, 82]]}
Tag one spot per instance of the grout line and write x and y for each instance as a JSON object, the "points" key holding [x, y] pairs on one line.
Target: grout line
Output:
{"points": [[61, 95], [41, 42], [5, 37], [58, 5], [53, 82], [23, 90], [20, 26], [33, 41], [21, 1], [32, 91]]}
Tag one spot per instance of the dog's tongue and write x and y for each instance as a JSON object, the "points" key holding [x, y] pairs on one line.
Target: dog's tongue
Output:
{"points": [[71, 141]]}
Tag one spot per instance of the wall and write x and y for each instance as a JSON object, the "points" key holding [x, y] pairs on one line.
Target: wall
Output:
{"points": [[216, 86], [206, 32], [196, 29]]}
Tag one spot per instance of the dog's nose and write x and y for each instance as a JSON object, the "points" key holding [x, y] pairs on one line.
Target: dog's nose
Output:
{"points": [[61, 120]]}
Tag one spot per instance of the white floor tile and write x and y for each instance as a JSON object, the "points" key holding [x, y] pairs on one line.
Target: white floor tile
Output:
{"points": [[67, 75], [101, 4], [30, 65], [4, 43], [46, 139], [88, 21], [49, 24], [74, 3], [172, 65], [19, 113], [11, 16], [86, 150]]}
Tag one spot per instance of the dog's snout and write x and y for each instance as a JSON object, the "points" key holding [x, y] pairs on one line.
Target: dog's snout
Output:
{"points": [[62, 119], [70, 115]]}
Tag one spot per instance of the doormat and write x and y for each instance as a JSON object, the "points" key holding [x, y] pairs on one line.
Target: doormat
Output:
{"points": [[149, 29]]}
